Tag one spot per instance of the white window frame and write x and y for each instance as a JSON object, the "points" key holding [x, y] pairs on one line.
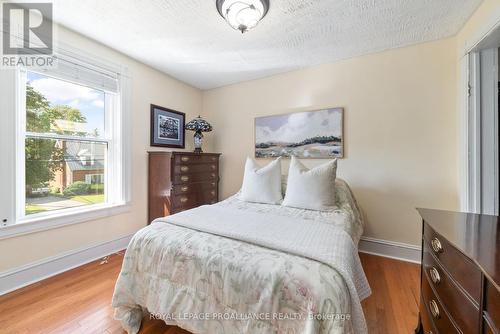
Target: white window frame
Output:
{"points": [[12, 131]]}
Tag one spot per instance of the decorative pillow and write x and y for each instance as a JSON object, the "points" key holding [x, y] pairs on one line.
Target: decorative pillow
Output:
{"points": [[262, 185], [312, 189]]}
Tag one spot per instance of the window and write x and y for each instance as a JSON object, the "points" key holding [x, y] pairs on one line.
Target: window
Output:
{"points": [[94, 179], [65, 144], [67, 149]]}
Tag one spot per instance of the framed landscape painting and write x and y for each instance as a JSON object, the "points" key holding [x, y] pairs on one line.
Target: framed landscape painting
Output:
{"points": [[307, 134], [167, 127]]}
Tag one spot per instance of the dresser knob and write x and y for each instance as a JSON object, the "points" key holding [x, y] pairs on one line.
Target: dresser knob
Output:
{"points": [[435, 277], [184, 168], [213, 175], [184, 199], [184, 189], [184, 159], [184, 178], [213, 192], [436, 245], [213, 184], [213, 167], [214, 158], [434, 308]]}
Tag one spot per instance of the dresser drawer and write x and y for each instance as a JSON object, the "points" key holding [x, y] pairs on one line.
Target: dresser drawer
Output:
{"points": [[195, 168], [183, 202], [460, 307], [180, 159], [489, 327], [492, 305], [437, 313], [180, 189], [463, 270], [197, 177], [425, 318], [192, 200]]}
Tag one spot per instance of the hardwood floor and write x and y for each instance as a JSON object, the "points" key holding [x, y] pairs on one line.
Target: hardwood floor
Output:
{"points": [[393, 305], [78, 301]]}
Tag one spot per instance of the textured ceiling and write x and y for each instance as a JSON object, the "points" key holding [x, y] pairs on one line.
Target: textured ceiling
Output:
{"points": [[190, 41]]}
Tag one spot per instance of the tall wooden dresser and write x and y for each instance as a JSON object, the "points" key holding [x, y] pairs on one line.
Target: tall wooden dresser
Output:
{"points": [[181, 180], [460, 273]]}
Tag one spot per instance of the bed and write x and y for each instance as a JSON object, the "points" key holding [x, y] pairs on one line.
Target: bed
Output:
{"points": [[240, 267]]}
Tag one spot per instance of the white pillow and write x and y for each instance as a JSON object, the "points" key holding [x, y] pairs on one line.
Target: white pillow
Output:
{"points": [[262, 185], [312, 189]]}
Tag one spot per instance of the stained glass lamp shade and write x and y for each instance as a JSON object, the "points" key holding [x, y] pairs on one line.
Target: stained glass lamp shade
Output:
{"points": [[198, 125]]}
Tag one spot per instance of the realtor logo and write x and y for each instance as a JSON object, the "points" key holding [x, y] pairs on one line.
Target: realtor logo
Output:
{"points": [[27, 28], [27, 35]]}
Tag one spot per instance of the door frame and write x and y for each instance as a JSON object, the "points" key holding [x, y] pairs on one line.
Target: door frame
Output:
{"points": [[469, 117]]}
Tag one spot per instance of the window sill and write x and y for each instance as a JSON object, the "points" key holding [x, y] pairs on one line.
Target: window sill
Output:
{"points": [[57, 219]]}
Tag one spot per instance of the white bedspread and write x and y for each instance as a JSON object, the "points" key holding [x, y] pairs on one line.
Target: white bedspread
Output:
{"points": [[242, 258], [316, 240]]}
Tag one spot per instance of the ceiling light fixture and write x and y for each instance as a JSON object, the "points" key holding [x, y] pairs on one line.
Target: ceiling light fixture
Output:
{"points": [[243, 15]]}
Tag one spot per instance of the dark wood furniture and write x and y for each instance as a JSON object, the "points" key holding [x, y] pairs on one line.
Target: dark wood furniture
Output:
{"points": [[181, 180], [460, 273]]}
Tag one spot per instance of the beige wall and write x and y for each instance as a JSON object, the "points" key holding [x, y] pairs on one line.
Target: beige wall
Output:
{"points": [[402, 124], [400, 129], [148, 86]]}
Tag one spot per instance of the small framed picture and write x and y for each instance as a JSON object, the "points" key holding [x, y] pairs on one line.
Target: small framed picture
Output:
{"points": [[167, 127]]}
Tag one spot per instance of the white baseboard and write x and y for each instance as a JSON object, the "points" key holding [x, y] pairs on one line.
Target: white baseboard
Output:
{"points": [[19, 277], [390, 249]]}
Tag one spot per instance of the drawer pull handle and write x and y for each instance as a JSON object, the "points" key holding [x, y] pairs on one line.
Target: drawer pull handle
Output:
{"points": [[213, 192], [184, 159], [213, 167], [434, 308], [184, 178], [436, 245], [213, 184], [213, 175], [214, 158], [184, 189], [184, 199], [184, 168], [435, 277]]}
